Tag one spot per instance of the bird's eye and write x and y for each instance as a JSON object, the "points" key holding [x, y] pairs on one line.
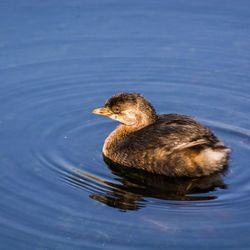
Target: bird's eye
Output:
{"points": [[116, 110]]}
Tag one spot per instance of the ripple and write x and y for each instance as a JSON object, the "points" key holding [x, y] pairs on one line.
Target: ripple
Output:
{"points": [[90, 174], [56, 190], [64, 143], [74, 128]]}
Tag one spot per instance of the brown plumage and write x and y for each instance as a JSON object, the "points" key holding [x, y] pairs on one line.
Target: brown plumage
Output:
{"points": [[172, 144]]}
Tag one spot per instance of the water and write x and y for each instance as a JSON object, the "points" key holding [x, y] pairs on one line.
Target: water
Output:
{"points": [[61, 59]]}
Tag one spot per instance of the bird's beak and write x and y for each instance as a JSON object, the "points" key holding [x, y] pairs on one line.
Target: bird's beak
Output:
{"points": [[102, 111]]}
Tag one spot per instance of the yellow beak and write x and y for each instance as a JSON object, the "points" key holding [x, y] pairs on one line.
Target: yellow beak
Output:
{"points": [[102, 111]]}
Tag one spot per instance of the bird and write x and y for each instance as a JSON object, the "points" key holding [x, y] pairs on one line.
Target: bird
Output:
{"points": [[173, 145]]}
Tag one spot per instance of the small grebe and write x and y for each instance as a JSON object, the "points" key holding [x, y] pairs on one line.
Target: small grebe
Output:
{"points": [[168, 144]]}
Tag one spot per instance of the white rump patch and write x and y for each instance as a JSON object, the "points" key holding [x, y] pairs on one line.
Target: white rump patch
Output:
{"points": [[213, 155]]}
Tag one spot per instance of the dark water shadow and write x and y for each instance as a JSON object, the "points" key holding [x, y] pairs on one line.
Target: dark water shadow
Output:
{"points": [[132, 187]]}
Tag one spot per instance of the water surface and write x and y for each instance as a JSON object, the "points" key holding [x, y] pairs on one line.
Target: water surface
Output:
{"points": [[61, 59]]}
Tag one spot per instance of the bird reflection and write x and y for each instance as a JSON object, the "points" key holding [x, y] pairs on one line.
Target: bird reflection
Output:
{"points": [[133, 187]]}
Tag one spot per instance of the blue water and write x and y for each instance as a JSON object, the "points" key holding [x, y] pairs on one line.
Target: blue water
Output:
{"points": [[61, 59]]}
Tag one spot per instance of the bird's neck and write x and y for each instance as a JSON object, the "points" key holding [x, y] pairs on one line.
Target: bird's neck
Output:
{"points": [[117, 136]]}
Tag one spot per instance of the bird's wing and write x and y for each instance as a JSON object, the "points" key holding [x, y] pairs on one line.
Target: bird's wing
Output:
{"points": [[190, 144], [171, 136]]}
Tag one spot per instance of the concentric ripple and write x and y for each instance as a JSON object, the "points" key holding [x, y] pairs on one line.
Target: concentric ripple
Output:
{"points": [[59, 181], [61, 60]]}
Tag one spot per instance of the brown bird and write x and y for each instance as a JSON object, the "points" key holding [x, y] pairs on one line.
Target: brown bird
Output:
{"points": [[168, 144]]}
